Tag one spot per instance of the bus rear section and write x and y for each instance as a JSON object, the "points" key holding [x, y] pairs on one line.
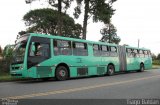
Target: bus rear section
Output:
{"points": [[132, 58]]}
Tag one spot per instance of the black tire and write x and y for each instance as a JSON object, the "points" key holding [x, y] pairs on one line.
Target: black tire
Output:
{"points": [[141, 68], [45, 79], [110, 70], [61, 73]]}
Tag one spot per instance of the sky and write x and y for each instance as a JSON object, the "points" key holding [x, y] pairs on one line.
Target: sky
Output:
{"points": [[134, 19]]}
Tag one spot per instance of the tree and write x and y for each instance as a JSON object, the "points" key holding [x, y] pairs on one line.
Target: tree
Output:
{"points": [[98, 9], [8, 51], [46, 21], [58, 5], [158, 57], [154, 57], [7, 58], [1, 51], [22, 33], [109, 34]]}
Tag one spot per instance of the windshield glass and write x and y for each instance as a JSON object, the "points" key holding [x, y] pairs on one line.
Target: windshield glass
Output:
{"points": [[19, 52]]}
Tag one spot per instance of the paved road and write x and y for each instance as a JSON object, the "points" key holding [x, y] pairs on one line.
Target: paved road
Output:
{"points": [[120, 86]]}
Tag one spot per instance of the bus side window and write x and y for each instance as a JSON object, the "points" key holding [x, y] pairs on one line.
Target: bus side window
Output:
{"points": [[149, 53], [62, 47], [135, 53], [56, 50], [141, 53], [113, 51], [39, 49], [145, 53], [105, 50], [43, 50], [96, 50], [129, 52], [80, 49]]}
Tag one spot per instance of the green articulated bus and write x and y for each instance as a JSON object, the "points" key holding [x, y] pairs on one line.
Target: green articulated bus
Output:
{"points": [[46, 56]]}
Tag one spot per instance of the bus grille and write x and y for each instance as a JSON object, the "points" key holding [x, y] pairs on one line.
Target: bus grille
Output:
{"points": [[43, 71], [15, 68]]}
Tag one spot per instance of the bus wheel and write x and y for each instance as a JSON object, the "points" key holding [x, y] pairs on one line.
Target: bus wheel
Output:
{"points": [[45, 79], [110, 70], [61, 73], [141, 67]]}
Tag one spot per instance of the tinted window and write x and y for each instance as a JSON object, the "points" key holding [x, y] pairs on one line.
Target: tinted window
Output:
{"points": [[105, 50], [80, 49], [141, 53], [135, 53], [129, 52], [96, 50], [145, 53], [62, 47], [113, 51], [39, 49]]}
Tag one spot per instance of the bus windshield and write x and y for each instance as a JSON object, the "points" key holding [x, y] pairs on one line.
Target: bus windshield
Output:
{"points": [[19, 52]]}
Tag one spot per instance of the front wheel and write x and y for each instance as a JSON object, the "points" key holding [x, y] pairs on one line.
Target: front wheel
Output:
{"points": [[110, 70], [61, 73]]}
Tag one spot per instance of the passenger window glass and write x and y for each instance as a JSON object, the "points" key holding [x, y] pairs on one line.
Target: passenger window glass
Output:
{"points": [[62, 47], [141, 53], [145, 53], [39, 49], [105, 51], [80, 49], [135, 53], [129, 52], [113, 51], [96, 50]]}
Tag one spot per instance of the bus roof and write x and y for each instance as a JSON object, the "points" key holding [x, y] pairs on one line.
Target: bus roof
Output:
{"points": [[74, 39], [136, 48], [67, 38]]}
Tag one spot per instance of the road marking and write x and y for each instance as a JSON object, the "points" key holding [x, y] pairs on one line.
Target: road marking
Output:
{"points": [[77, 89]]}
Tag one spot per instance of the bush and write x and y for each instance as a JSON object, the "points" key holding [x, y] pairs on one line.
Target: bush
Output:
{"points": [[4, 66], [156, 62]]}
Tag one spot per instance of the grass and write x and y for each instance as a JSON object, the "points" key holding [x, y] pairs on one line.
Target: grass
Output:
{"points": [[155, 66], [5, 77]]}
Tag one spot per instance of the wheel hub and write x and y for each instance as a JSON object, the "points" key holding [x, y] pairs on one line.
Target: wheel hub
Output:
{"points": [[62, 73]]}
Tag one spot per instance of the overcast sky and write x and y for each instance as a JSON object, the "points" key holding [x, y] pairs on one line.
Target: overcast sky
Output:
{"points": [[134, 19]]}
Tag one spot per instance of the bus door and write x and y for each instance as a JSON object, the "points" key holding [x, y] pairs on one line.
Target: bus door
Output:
{"points": [[81, 61], [99, 59], [39, 51]]}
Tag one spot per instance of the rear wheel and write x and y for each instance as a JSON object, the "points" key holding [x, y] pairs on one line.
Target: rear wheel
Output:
{"points": [[141, 67], [110, 70], [61, 73]]}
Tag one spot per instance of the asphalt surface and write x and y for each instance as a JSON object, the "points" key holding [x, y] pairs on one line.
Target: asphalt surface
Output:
{"points": [[120, 86]]}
